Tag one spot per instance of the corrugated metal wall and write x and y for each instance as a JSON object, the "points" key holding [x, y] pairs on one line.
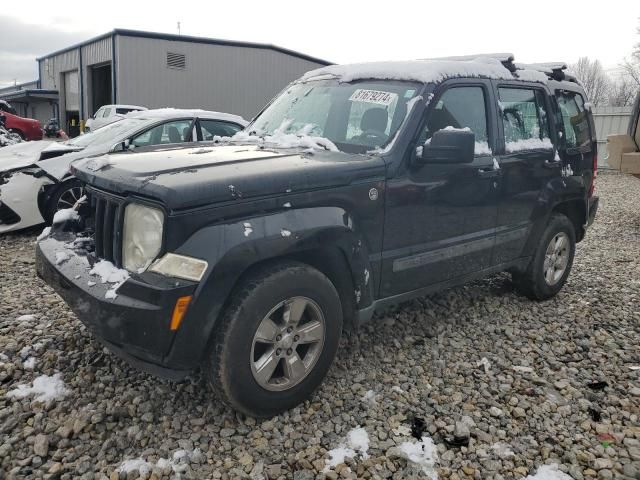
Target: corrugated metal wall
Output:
{"points": [[609, 121], [51, 76], [232, 79]]}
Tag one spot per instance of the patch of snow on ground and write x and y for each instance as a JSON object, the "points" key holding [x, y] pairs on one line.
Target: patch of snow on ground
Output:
{"points": [[26, 318], [44, 234], [357, 443], [108, 272], [44, 389], [485, 363], [29, 363], [178, 463], [423, 454], [502, 450], [65, 215], [549, 472], [370, 398], [529, 144]]}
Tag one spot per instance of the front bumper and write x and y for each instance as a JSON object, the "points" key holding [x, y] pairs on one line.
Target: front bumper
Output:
{"points": [[134, 325], [19, 201]]}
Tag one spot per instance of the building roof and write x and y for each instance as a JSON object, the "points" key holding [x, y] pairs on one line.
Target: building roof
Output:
{"points": [[186, 38]]}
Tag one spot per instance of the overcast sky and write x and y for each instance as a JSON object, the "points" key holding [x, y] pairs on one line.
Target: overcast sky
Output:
{"points": [[339, 31]]}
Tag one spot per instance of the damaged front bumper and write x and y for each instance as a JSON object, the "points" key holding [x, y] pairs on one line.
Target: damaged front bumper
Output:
{"points": [[135, 325], [19, 191]]}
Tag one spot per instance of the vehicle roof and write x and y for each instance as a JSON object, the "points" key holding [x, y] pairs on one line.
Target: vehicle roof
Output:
{"points": [[120, 105], [161, 113], [493, 66]]}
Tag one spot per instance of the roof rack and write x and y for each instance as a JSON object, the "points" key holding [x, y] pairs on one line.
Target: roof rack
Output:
{"points": [[554, 70], [505, 58]]}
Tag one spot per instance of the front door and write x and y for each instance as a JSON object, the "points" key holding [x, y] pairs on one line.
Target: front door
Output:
{"points": [[528, 162], [440, 218]]}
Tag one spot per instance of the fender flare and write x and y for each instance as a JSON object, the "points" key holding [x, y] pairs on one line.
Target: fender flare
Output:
{"points": [[233, 249]]}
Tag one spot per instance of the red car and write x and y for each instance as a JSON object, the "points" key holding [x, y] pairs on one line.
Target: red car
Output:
{"points": [[27, 128]]}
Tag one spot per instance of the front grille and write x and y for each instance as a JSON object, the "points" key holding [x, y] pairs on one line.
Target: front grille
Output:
{"points": [[108, 216]]}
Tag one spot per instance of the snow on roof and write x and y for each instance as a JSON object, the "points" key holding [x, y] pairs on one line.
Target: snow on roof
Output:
{"points": [[179, 112], [438, 70], [120, 105], [425, 71]]}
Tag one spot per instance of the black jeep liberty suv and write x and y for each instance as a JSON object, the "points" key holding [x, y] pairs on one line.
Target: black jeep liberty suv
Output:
{"points": [[357, 187]]}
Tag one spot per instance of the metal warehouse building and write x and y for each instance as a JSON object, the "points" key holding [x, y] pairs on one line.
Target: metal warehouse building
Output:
{"points": [[159, 70]]}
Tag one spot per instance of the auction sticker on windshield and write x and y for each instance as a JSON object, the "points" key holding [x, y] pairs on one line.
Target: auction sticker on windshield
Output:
{"points": [[373, 96]]}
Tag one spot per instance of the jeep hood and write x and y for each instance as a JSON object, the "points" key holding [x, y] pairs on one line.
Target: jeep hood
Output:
{"points": [[188, 177]]}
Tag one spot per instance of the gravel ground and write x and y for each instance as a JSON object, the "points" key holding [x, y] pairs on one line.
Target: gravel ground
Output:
{"points": [[519, 383]]}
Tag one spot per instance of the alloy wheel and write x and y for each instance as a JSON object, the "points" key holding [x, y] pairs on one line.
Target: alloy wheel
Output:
{"points": [[556, 258], [287, 344]]}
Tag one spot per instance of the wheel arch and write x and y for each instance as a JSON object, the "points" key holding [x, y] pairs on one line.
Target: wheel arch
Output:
{"points": [[576, 211], [324, 238]]}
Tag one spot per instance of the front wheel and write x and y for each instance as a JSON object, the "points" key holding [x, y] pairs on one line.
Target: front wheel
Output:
{"points": [[550, 266], [276, 340], [66, 195]]}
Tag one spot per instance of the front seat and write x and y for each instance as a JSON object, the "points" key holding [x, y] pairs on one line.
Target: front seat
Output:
{"points": [[373, 124], [174, 134]]}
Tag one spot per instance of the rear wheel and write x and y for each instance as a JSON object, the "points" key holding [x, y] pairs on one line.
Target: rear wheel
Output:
{"points": [[276, 341], [550, 266], [66, 196]]}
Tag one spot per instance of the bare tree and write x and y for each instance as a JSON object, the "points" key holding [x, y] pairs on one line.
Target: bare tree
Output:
{"points": [[595, 80], [622, 92]]}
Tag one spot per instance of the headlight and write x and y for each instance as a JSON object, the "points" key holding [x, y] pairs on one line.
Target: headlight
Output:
{"points": [[142, 236], [180, 266]]}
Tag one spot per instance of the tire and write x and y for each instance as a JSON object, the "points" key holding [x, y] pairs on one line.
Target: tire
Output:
{"points": [[546, 274], [64, 196], [235, 354]]}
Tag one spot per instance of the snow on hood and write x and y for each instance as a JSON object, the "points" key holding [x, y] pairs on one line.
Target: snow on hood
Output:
{"points": [[425, 71], [280, 139]]}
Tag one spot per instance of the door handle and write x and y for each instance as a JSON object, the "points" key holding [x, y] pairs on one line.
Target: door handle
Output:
{"points": [[488, 172]]}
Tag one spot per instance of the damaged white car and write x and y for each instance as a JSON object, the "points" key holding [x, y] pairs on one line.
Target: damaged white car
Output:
{"points": [[34, 177]]}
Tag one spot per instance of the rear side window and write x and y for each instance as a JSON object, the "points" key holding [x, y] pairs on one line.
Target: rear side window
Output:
{"points": [[211, 128], [107, 112], [460, 107], [524, 118], [177, 131], [575, 121]]}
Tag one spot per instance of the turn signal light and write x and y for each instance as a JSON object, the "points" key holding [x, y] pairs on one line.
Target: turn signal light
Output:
{"points": [[179, 310]]}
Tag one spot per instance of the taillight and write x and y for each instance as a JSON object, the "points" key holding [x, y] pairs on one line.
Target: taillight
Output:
{"points": [[592, 187]]}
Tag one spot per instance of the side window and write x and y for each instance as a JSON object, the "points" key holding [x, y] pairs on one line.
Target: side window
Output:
{"points": [[172, 132], [99, 113], [460, 107], [107, 112], [525, 119], [575, 123], [211, 128]]}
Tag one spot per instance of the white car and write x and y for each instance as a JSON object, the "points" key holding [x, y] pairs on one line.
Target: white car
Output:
{"points": [[35, 181], [108, 114]]}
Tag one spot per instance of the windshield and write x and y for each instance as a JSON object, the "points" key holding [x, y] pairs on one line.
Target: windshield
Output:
{"points": [[109, 133], [356, 117]]}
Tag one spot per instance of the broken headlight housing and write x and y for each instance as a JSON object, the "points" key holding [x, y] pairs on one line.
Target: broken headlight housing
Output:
{"points": [[141, 236]]}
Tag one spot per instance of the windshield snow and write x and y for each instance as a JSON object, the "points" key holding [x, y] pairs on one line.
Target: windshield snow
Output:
{"points": [[109, 133], [355, 117]]}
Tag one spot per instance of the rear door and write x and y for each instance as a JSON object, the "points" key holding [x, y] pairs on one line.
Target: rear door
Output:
{"points": [[440, 218], [527, 162]]}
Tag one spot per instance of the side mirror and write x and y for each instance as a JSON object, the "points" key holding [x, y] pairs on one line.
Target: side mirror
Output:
{"points": [[448, 146], [121, 146]]}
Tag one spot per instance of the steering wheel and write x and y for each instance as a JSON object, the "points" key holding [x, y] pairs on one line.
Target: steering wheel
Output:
{"points": [[376, 136]]}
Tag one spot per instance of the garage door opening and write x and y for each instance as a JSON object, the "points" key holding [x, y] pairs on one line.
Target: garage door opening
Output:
{"points": [[100, 87]]}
